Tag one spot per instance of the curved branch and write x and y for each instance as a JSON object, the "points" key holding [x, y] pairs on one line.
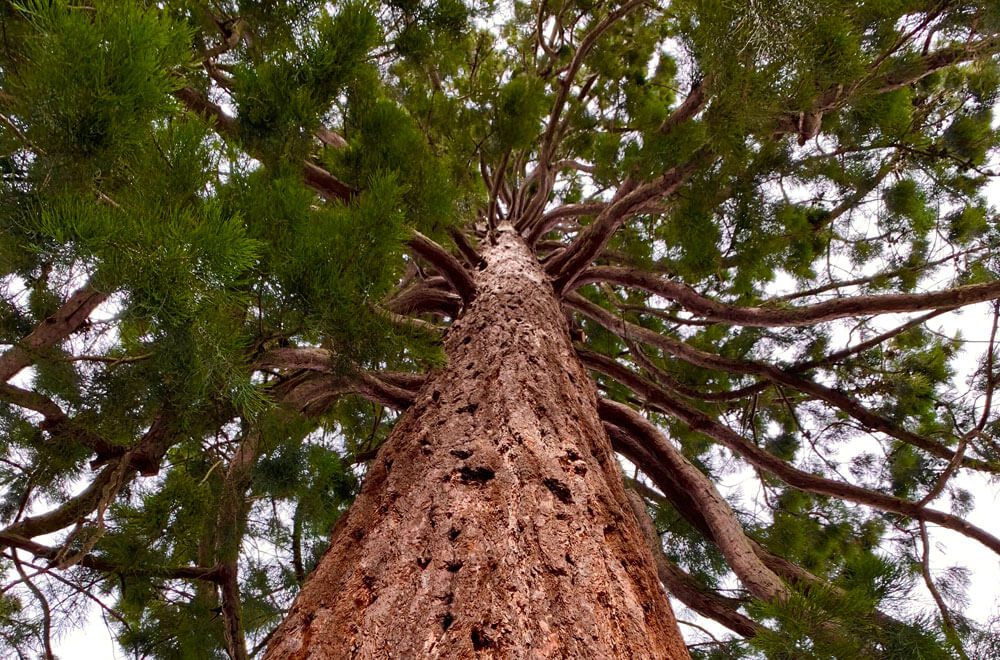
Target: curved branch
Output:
{"points": [[144, 458], [59, 425], [758, 457], [69, 318], [684, 587], [910, 72], [552, 218], [829, 310], [672, 496], [449, 267], [771, 373], [420, 298], [314, 392], [725, 529]]}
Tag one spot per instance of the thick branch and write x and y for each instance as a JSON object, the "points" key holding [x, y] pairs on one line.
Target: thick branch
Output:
{"points": [[144, 458], [308, 391], [473, 258], [449, 267], [725, 528], [760, 458], [679, 501], [692, 105], [69, 318], [419, 298], [684, 587]]}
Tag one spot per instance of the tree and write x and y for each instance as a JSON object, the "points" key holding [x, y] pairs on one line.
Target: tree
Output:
{"points": [[448, 261]]}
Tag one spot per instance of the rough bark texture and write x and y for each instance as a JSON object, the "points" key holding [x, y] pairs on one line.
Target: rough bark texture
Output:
{"points": [[493, 522]]}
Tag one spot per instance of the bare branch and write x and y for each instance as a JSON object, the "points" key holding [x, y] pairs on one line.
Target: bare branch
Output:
{"points": [[804, 315], [449, 267], [925, 570], [43, 603], [726, 530], [230, 519]]}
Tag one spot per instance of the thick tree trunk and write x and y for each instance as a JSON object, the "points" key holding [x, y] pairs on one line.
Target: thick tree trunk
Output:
{"points": [[494, 520]]}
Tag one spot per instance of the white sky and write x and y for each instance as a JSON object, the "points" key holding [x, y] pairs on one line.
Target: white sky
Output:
{"points": [[94, 641]]}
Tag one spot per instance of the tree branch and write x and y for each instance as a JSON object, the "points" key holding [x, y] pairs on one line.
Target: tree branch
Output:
{"points": [[96, 563], [725, 529], [681, 585], [69, 318], [565, 267], [330, 380], [447, 265], [420, 298], [676, 348], [830, 310], [758, 457], [317, 178]]}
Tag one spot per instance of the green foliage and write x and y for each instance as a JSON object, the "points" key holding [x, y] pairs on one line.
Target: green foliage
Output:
{"points": [[91, 83], [154, 152], [518, 108]]}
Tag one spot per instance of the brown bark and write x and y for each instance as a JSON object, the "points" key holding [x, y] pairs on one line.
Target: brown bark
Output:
{"points": [[769, 372], [65, 321], [806, 315], [804, 481], [494, 522]]}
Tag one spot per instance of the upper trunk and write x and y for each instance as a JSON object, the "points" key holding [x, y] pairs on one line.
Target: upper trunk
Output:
{"points": [[494, 519]]}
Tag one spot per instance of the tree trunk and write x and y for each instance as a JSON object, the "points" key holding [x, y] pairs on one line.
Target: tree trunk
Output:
{"points": [[493, 520]]}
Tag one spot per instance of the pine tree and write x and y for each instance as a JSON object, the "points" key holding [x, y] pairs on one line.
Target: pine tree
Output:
{"points": [[327, 326]]}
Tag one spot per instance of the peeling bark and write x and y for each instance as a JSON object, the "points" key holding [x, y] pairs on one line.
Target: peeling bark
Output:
{"points": [[494, 521]]}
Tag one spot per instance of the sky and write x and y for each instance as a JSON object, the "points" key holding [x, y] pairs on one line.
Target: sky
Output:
{"points": [[94, 641]]}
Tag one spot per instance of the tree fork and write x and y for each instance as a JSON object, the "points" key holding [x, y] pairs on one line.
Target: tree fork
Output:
{"points": [[494, 519]]}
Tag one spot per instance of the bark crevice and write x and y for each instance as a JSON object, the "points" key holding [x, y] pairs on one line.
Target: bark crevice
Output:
{"points": [[494, 522]]}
